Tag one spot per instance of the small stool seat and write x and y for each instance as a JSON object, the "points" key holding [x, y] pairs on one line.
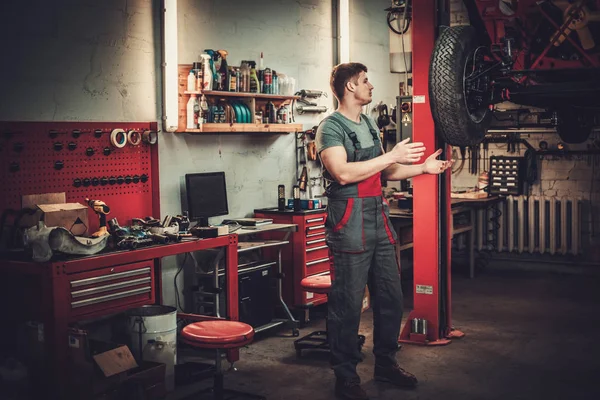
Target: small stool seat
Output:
{"points": [[217, 334], [318, 340], [220, 335], [317, 284]]}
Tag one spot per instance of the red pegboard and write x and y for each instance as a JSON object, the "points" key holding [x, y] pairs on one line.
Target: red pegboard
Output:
{"points": [[32, 147]]}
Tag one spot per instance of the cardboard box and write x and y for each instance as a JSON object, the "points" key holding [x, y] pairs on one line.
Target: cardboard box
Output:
{"points": [[71, 216], [107, 371]]}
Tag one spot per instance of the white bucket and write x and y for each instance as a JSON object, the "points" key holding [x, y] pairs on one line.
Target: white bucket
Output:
{"points": [[155, 323]]}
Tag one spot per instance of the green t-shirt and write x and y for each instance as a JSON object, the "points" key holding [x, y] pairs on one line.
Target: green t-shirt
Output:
{"points": [[330, 134]]}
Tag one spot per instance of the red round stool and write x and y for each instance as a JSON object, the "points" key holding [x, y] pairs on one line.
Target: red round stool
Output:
{"points": [[318, 339], [219, 335]]}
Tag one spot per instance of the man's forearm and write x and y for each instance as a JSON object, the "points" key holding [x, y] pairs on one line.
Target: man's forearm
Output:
{"points": [[361, 170], [398, 172]]}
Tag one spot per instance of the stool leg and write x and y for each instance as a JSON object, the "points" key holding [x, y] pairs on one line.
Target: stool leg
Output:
{"points": [[218, 380]]}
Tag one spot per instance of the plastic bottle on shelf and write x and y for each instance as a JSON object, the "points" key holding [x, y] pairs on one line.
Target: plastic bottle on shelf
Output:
{"points": [[207, 76], [199, 75], [203, 111], [254, 83], [245, 77], [191, 82], [271, 112], [275, 85], [224, 71], [192, 121], [282, 115]]}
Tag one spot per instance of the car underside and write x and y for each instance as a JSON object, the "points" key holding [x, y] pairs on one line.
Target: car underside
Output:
{"points": [[542, 54]]}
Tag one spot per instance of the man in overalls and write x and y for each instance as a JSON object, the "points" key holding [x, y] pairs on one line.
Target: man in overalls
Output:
{"points": [[360, 235]]}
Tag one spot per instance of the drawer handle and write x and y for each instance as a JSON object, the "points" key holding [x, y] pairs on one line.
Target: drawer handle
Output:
{"points": [[308, 221], [99, 289], [111, 277], [312, 228], [315, 234], [316, 248], [308, 264], [109, 297], [316, 241]]}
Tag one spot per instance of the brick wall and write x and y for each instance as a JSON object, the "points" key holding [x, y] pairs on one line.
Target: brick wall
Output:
{"points": [[570, 176]]}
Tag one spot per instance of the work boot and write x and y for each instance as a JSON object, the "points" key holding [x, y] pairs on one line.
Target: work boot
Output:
{"points": [[349, 390], [396, 376]]}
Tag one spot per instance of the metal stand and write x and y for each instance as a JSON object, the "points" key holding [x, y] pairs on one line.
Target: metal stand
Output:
{"points": [[218, 390], [318, 340]]}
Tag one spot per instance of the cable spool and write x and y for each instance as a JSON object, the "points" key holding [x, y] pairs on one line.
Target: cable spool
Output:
{"points": [[134, 138], [118, 138], [150, 137]]}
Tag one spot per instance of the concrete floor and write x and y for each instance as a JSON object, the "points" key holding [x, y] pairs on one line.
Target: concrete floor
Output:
{"points": [[529, 335]]}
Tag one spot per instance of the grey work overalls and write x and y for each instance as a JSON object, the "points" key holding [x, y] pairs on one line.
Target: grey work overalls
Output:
{"points": [[361, 241]]}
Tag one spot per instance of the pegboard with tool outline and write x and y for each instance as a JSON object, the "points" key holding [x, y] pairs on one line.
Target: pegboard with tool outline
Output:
{"points": [[80, 159]]}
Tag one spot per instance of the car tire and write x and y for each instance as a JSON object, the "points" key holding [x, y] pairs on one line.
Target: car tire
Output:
{"points": [[454, 123]]}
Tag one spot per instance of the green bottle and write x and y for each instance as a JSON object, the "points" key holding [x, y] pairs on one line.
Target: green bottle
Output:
{"points": [[254, 85]]}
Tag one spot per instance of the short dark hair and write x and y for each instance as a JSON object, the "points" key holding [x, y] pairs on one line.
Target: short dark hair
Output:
{"points": [[341, 74]]}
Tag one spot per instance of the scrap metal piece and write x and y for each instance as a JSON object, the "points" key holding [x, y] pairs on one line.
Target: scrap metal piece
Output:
{"points": [[60, 239], [36, 238]]}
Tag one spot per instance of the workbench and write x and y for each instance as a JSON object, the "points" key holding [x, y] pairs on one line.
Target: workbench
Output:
{"points": [[66, 290], [402, 221]]}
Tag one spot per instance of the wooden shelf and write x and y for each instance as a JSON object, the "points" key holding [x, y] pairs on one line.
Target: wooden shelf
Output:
{"points": [[216, 93], [254, 101], [246, 128]]}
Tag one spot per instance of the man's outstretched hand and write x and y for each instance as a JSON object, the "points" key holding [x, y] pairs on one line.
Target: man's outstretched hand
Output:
{"points": [[434, 166], [407, 153]]}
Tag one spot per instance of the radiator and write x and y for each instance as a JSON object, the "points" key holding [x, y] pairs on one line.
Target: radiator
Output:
{"points": [[534, 224]]}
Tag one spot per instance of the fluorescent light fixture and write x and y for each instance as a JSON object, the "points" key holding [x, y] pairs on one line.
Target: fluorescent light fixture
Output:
{"points": [[344, 18], [170, 61]]}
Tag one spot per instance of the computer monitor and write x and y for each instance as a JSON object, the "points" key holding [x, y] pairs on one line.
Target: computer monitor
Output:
{"points": [[206, 196]]}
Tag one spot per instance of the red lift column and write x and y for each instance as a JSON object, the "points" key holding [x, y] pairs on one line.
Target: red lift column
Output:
{"points": [[431, 200]]}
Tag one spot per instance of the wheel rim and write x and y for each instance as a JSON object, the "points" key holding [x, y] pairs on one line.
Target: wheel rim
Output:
{"points": [[476, 86]]}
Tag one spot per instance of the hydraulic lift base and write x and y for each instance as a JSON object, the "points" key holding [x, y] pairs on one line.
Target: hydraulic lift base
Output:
{"points": [[421, 339]]}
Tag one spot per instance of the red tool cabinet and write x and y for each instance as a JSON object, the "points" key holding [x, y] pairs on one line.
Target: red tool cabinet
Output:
{"points": [[308, 254]]}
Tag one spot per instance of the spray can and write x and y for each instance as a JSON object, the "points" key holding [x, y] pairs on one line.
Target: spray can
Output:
{"points": [[232, 79], [268, 81]]}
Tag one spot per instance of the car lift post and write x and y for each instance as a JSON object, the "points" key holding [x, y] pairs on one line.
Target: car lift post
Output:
{"points": [[431, 202]]}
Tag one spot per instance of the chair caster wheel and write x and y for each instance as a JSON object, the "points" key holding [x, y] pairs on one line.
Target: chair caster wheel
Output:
{"points": [[295, 333]]}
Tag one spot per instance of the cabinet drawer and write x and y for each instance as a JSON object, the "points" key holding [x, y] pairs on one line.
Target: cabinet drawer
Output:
{"points": [[112, 287], [317, 252], [315, 230], [315, 220], [317, 240], [317, 266]]}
